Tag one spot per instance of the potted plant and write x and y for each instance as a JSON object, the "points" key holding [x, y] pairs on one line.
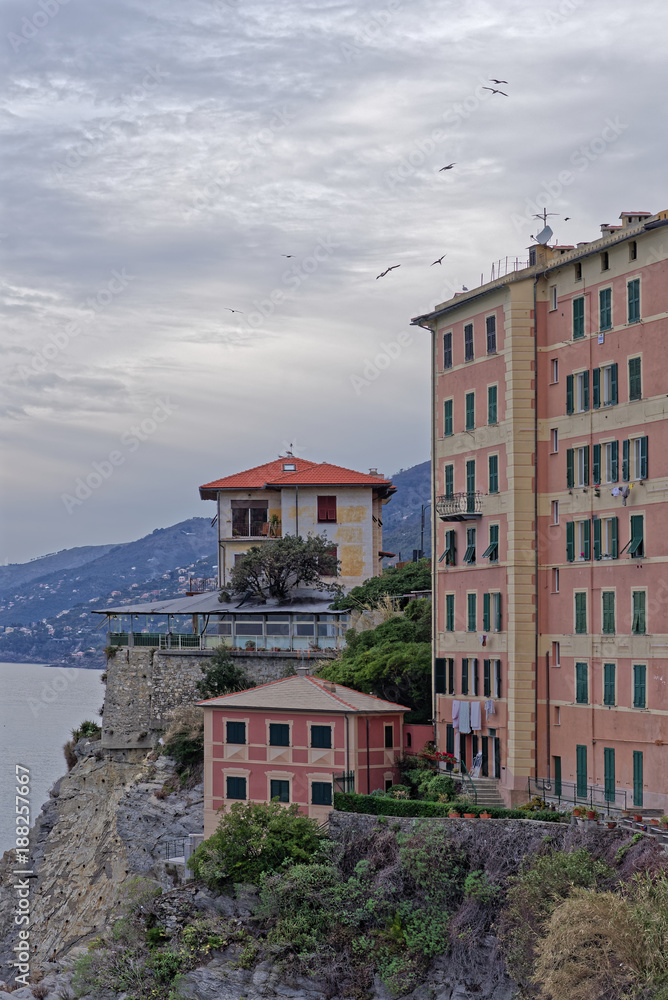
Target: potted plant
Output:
{"points": [[637, 817], [453, 814], [577, 812], [485, 815], [654, 822], [664, 822], [250, 646], [611, 825], [592, 814], [470, 815]]}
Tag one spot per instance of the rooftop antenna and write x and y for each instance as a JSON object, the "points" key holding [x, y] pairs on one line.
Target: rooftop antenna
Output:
{"points": [[544, 215]]}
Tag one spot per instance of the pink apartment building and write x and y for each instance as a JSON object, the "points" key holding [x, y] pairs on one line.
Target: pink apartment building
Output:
{"points": [[550, 498], [297, 740]]}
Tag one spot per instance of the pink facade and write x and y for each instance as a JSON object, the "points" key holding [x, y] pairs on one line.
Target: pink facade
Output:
{"points": [[549, 393]]}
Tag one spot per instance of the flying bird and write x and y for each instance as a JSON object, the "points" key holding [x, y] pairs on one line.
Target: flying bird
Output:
{"points": [[492, 80], [449, 167], [388, 271], [287, 255], [567, 219], [495, 91], [233, 310], [439, 261]]}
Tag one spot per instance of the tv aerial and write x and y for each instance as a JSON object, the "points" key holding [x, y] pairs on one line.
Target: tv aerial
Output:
{"points": [[544, 236]]}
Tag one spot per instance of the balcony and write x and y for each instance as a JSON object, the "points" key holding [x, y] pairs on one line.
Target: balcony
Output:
{"points": [[460, 506]]}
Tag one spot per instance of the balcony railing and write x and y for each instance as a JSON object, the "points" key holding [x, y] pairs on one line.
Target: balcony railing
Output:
{"points": [[258, 643], [459, 506]]}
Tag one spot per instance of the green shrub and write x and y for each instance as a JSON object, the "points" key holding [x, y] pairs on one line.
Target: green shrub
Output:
{"points": [[254, 838], [477, 886], [222, 676], [184, 739], [383, 806], [87, 728]]}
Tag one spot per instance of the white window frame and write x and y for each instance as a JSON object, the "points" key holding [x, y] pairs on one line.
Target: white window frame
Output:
{"points": [[634, 457], [553, 298], [555, 512], [580, 540], [606, 385], [579, 465], [555, 580], [556, 654], [606, 538], [607, 459], [555, 370], [579, 392], [554, 434]]}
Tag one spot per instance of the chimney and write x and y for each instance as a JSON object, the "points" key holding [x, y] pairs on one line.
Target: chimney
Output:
{"points": [[329, 686], [375, 472], [303, 669]]}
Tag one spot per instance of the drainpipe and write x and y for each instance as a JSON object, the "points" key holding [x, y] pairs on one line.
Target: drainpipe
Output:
{"points": [[548, 745], [347, 746], [535, 519], [434, 563], [368, 759]]}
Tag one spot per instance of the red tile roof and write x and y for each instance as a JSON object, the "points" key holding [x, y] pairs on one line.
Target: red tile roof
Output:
{"points": [[258, 477], [306, 474]]}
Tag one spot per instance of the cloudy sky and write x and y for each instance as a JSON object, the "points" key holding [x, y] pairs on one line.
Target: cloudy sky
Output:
{"points": [[166, 162]]}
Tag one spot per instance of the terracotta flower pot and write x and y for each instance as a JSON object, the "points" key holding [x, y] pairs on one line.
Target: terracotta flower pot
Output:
{"points": [[591, 814], [454, 814], [654, 822], [485, 815], [611, 826], [637, 817], [470, 816]]}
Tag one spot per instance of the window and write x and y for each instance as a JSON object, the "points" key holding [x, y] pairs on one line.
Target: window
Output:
{"points": [[609, 537], [553, 297], [492, 408], [493, 466], [490, 324], [235, 788], [486, 612], [633, 250], [605, 309], [639, 685], [584, 539], [555, 580], [470, 485], [554, 436], [439, 675], [636, 545], [581, 613], [321, 793], [279, 790], [469, 555], [465, 676], [609, 774], [633, 290], [449, 612], [555, 512], [608, 612], [497, 680], [471, 612], [555, 369], [570, 541], [638, 624], [557, 766], [635, 382], [637, 777], [449, 475], [289, 467], [470, 411], [581, 772], [577, 466], [609, 682], [581, 684], [556, 654], [496, 611], [389, 737], [447, 350], [447, 418], [474, 681], [450, 553], [468, 342], [605, 261], [235, 732], [321, 737], [326, 509], [248, 517], [279, 735], [578, 318], [639, 458], [608, 380], [492, 550], [577, 272], [451, 676], [486, 679], [611, 460], [582, 392]]}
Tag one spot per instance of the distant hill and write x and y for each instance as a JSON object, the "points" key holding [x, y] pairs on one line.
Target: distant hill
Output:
{"points": [[401, 516]]}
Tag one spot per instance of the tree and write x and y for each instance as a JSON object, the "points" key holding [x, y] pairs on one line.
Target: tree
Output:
{"points": [[412, 576], [222, 676], [276, 568]]}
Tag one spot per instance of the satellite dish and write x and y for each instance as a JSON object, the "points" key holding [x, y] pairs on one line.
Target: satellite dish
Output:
{"points": [[544, 235]]}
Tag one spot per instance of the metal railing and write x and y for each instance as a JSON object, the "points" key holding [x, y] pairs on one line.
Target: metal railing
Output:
{"points": [[304, 645], [344, 782], [459, 506], [175, 848], [567, 793], [468, 787]]}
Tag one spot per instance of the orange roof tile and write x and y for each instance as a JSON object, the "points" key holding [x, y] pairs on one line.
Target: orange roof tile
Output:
{"points": [[306, 474], [257, 477]]}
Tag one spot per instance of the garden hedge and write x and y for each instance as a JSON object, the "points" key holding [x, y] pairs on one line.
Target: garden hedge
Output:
{"points": [[377, 805]]}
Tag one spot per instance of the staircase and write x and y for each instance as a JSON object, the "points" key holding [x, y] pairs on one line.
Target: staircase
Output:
{"points": [[488, 793]]}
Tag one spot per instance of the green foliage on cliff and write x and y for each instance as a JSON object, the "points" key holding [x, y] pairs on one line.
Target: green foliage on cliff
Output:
{"points": [[381, 805], [254, 838], [412, 576], [222, 675]]}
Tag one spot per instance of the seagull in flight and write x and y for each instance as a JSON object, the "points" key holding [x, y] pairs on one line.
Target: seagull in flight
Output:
{"points": [[495, 91], [567, 219], [449, 167], [492, 80], [439, 261], [233, 310], [287, 255], [387, 271]]}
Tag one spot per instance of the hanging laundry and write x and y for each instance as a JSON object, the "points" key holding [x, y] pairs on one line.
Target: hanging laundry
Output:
{"points": [[476, 715], [464, 717], [455, 715], [489, 708]]}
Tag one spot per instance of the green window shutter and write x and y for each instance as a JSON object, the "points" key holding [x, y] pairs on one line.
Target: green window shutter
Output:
{"points": [[581, 614], [470, 411], [451, 676], [596, 464], [605, 309], [634, 300], [470, 476], [569, 394], [609, 670], [642, 471], [449, 480], [474, 678], [635, 381], [439, 675], [447, 418], [449, 612], [486, 678], [614, 461], [465, 676], [608, 597], [596, 388], [586, 538], [486, 604], [613, 384], [586, 465], [609, 774], [636, 546], [493, 463], [638, 626], [638, 779], [625, 461], [450, 548], [570, 541], [578, 318], [570, 468], [472, 612], [613, 538], [449, 738], [497, 613], [492, 404], [639, 685], [581, 684], [585, 390], [581, 771], [597, 538], [557, 775]]}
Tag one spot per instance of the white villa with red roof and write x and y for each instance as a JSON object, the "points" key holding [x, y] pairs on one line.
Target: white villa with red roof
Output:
{"points": [[293, 496]]}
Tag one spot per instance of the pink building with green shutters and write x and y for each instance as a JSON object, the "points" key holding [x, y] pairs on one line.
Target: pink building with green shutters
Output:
{"points": [[297, 740], [550, 495]]}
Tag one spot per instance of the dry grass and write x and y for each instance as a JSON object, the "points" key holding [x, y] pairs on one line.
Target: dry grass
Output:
{"points": [[186, 720], [370, 616]]}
